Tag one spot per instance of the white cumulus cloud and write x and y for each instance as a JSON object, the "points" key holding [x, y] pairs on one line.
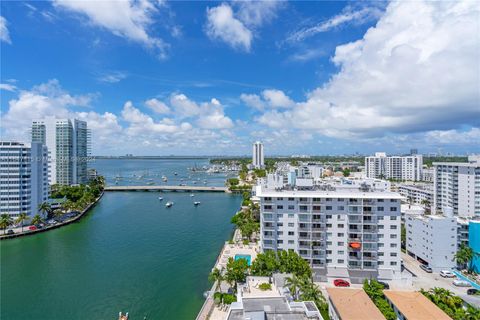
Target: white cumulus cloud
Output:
{"points": [[415, 71], [4, 33], [157, 106], [128, 19]]}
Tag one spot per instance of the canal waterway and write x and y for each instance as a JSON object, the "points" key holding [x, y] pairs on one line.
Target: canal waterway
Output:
{"points": [[130, 253]]}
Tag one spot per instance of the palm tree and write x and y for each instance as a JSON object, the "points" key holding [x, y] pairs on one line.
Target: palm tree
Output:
{"points": [[37, 219], [5, 221], [22, 217], [216, 276], [45, 208], [464, 256], [58, 213], [293, 284]]}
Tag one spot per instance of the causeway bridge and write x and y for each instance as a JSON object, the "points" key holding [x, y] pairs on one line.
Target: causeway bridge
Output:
{"points": [[167, 188]]}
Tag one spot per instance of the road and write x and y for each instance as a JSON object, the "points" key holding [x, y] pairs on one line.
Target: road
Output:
{"points": [[426, 281]]}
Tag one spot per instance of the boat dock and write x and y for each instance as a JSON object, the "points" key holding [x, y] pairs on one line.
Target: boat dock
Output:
{"points": [[167, 188]]}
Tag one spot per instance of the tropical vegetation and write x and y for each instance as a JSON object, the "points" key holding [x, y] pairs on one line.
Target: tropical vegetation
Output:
{"points": [[22, 217], [78, 197], [464, 257], [5, 222], [374, 290], [270, 262], [246, 222], [451, 304]]}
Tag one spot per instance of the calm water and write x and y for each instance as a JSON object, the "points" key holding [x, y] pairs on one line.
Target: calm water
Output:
{"points": [[129, 254], [141, 172]]}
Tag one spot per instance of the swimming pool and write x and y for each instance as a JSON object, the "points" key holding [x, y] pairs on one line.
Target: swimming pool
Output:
{"points": [[244, 256], [462, 277]]}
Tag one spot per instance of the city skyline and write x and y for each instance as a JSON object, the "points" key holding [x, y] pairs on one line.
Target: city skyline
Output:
{"points": [[199, 78]]}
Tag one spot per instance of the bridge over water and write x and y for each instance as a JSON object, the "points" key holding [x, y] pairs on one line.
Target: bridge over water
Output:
{"points": [[167, 188]]}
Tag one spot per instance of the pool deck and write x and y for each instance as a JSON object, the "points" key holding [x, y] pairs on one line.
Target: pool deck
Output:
{"points": [[231, 250]]}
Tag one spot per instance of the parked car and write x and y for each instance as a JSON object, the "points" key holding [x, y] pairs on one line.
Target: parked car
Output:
{"points": [[341, 283], [461, 283], [10, 231], [426, 268], [384, 284], [447, 274], [472, 292], [32, 228]]}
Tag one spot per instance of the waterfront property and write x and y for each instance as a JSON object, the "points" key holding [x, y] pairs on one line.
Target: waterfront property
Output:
{"points": [[166, 188], [237, 251], [24, 178], [342, 231]]}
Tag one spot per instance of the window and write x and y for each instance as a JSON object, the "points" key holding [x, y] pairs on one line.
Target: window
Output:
{"points": [[340, 252], [328, 199], [393, 209], [290, 207], [267, 207], [329, 216], [393, 236], [279, 207], [268, 199], [340, 243], [340, 234], [291, 233], [291, 215], [279, 215], [291, 199], [393, 218], [329, 251], [291, 224], [341, 225], [393, 227], [267, 216], [291, 242], [380, 200], [279, 199], [328, 208], [279, 241], [280, 224], [393, 263], [393, 254], [340, 261], [393, 245], [379, 208], [340, 208], [280, 233]]}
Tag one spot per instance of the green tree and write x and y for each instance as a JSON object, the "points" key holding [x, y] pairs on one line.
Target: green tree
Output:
{"points": [[265, 264], [36, 219], [45, 209], [346, 172], [5, 222], [464, 256], [374, 290], [216, 276], [22, 217], [236, 271], [293, 284]]}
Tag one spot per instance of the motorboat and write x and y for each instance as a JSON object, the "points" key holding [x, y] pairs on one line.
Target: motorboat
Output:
{"points": [[160, 198], [192, 195], [169, 204], [196, 203]]}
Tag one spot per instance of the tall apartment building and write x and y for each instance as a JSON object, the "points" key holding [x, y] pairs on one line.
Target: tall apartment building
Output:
{"points": [[23, 177], [258, 156], [68, 145], [433, 239], [457, 187], [394, 167], [342, 231], [418, 194]]}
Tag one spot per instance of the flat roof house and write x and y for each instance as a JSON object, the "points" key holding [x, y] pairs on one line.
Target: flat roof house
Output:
{"points": [[351, 304]]}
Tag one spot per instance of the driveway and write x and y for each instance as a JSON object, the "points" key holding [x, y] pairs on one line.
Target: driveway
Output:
{"points": [[427, 281]]}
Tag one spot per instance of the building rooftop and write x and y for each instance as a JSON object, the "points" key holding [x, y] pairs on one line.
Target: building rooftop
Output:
{"points": [[353, 304], [332, 193], [414, 305]]}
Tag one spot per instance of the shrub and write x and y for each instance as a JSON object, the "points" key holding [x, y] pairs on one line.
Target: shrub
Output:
{"points": [[245, 241], [265, 286], [229, 298]]}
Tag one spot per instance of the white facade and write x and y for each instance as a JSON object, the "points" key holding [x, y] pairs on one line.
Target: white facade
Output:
{"points": [[428, 174], [68, 145], [24, 177], [418, 194], [324, 226], [394, 167], [258, 156], [433, 239], [457, 186]]}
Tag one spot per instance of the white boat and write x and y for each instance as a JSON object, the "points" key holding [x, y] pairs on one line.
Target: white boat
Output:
{"points": [[175, 173], [164, 178], [196, 203], [192, 195], [169, 204], [160, 198]]}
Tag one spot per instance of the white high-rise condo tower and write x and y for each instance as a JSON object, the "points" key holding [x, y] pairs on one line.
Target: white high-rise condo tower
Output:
{"points": [[68, 143], [394, 167], [257, 157], [457, 186], [24, 177]]}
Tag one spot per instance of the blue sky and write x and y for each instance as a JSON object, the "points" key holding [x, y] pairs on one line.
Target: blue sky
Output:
{"points": [[212, 77]]}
